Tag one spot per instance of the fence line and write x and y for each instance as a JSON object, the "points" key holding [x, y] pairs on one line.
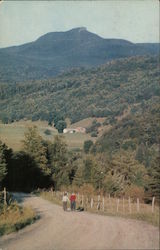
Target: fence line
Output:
{"points": [[109, 204], [138, 207]]}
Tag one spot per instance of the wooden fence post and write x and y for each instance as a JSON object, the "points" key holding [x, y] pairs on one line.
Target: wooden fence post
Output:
{"points": [[82, 200], [5, 197], [109, 201], [138, 205], [117, 205], [98, 202], [123, 206], [86, 202], [52, 191], [129, 203], [91, 202], [103, 204], [153, 201]]}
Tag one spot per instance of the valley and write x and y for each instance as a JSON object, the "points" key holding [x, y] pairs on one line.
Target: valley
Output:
{"points": [[13, 135]]}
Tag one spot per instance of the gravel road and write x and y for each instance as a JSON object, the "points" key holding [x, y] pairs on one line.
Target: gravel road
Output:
{"points": [[58, 230]]}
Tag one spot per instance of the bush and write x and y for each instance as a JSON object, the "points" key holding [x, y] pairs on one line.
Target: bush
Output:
{"points": [[60, 126], [87, 189], [9, 199], [94, 134], [135, 192], [87, 145], [47, 132]]}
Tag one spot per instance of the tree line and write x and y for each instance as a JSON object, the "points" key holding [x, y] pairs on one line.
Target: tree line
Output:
{"points": [[43, 164]]}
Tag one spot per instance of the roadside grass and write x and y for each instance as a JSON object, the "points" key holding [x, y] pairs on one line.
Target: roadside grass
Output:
{"points": [[144, 215], [15, 217], [150, 218], [49, 197]]}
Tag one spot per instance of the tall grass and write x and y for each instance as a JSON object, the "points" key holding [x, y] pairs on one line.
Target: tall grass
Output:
{"points": [[15, 217]]}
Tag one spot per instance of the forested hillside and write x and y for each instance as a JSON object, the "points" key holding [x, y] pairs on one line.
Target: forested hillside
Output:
{"points": [[56, 52], [105, 91], [123, 161], [140, 130]]}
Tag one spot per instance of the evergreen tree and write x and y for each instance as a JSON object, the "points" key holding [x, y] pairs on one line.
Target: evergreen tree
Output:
{"points": [[60, 168], [113, 183], [155, 177], [60, 126], [97, 175], [3, 165], [87, 173], [33, 145], [87, 145], [140, 153], [124, 164], [78, 179]]}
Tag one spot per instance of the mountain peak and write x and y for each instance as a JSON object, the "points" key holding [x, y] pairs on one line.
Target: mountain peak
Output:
{"points": [[58, 51], [79, 29]]}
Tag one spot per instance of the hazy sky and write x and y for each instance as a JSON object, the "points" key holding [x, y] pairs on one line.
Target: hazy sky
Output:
{"points": [[25, 21]]}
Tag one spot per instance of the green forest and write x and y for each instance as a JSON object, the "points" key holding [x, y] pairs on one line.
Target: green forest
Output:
{"points": [[124, 160], [105, 91]]}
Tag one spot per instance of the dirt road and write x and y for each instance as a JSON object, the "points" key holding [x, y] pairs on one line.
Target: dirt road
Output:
{"points": [[58, 230]]}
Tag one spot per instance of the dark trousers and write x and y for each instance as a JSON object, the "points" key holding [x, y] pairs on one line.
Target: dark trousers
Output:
{"points": [[73, 205], [65, 205]]}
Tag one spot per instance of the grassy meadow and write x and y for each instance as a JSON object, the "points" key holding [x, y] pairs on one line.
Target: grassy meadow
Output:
{"points": [[13, 134], [86, 122]]}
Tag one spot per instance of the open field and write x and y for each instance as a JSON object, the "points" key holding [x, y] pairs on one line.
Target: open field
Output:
{"points": [[13, 134], [87, 122]]}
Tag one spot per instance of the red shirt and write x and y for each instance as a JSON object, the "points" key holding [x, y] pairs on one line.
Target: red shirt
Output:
{"points": [[72, 197]]}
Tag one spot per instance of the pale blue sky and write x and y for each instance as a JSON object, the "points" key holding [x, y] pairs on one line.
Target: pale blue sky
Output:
{"points": [[133, 20]]}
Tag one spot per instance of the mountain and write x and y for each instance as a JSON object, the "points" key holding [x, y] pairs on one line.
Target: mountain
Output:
{"points": [[56, 52], [104, 91]]}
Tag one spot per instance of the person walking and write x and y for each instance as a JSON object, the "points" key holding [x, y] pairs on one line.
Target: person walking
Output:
{"points": [[64, 201], [73, 201]]}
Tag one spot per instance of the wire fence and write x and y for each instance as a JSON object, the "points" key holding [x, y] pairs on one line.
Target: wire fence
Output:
{"points": [[104, 204], [110, 205]]}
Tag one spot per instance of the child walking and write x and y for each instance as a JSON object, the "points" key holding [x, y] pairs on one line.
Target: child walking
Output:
{"points": [[64, 201], [73, 201]]}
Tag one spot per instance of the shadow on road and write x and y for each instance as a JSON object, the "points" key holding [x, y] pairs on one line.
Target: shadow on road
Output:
{"points": [[20, 197]]}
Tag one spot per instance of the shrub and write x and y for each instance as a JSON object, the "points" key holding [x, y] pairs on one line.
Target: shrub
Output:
{"points": [[47, 132], [134, 192], [87, 145], [94, 134], [87, 189]]}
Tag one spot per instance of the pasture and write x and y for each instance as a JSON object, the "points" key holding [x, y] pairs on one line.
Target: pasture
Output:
{"points": [[13, 134]]}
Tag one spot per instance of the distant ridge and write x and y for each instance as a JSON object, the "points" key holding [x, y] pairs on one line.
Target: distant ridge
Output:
{"points": [[55, 52]]}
